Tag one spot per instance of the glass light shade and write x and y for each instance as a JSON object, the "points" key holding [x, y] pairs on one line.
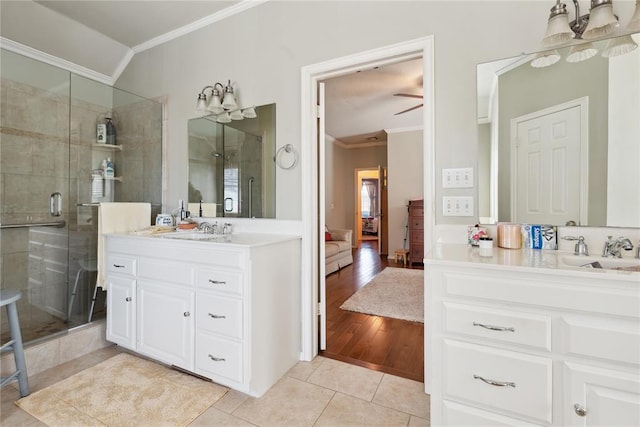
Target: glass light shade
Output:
{"points": [[201, 106], [634, 24], [545, 59], [581, 52], [602, 21], [229, 101], [249, 113], [236, 115], [223, 118], [214, 105], [558, 31], [619, 46]]}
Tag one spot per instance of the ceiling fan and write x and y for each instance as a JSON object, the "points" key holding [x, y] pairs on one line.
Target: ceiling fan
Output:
{"points": [[408, 95]]}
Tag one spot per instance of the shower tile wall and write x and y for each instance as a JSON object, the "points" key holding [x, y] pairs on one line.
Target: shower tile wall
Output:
{"points": [[139, 127]]}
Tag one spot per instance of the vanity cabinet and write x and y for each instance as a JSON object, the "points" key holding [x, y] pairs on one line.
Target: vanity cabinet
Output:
{"points": [[531, 346], [228, 312]]}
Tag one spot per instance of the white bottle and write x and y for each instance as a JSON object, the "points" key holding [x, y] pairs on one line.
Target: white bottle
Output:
{"points": [[102, 133], [108, 169]]}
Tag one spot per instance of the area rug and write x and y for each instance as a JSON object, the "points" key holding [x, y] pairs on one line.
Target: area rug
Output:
{"points": [[123, 391], [394, 292]]}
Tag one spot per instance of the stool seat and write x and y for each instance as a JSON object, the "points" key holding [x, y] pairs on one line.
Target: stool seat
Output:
{"points": [[9, 299], [8, 296]]}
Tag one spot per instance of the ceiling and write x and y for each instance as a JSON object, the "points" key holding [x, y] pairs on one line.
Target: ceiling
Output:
{"points": [[360, 105]]}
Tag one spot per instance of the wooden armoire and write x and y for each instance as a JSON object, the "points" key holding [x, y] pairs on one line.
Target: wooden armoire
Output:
{"points": [[416, 231]]}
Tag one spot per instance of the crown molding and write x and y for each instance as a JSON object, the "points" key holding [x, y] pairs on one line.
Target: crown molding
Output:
{"points": [[38, 55], [196, 25]]}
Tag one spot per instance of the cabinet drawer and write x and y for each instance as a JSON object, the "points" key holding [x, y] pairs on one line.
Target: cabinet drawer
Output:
{"points": [[121, 264], [415, 211], [176, 272], [455, 414], [589, 296], [218, 314], [603, 338], [220, 280], [501, 325], [416, 223], [217, 356], [516, 383]]}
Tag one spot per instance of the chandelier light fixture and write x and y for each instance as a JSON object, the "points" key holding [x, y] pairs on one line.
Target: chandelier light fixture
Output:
{"points": [[222, 103], [598, 23]]}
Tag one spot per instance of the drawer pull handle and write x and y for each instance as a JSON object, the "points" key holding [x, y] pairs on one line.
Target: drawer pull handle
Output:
{"points": [[186, 314], [217, 282], [118, 265], [128, 299], [495, 383], [217, 316], [580, 410], [495, 328], [217, 359]]}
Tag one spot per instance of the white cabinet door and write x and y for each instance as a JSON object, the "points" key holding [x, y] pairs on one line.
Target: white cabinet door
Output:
{"points": [[121, 310], [165, 319], [600, 397]]}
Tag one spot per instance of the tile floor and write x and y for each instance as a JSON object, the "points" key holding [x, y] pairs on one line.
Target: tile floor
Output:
{"points": [[323, 392]]}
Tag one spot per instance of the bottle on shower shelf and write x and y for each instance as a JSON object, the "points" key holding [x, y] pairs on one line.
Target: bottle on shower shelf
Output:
{"points": [[111, 132]]}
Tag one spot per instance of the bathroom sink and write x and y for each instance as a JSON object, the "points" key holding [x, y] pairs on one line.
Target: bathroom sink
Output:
{"points": [[190, 236], [627, 264]]}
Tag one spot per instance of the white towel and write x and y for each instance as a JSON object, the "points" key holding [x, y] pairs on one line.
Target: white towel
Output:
{"points": [[119, 218]]}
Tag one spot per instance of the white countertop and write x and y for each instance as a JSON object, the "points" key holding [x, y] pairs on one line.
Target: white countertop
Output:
{"points": [[518, 259], [199, 238]]}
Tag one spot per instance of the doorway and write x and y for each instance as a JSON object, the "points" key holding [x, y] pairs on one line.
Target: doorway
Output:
{"points": [[312, 160]]}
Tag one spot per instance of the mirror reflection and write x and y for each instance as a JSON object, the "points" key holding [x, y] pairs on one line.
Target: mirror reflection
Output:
{"points": [[231, 167], [560, 144]]}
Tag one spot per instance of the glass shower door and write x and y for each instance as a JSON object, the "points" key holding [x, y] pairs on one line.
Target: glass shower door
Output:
{"points": [[34, 197]]}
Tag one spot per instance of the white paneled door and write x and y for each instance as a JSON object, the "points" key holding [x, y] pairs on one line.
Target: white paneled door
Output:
{"points": [[547, 165]]}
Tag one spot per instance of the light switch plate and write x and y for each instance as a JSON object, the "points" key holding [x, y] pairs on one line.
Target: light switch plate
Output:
{"points": [[457, 206], [457, 178]]}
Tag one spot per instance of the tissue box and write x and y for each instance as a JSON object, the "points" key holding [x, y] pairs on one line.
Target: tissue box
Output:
{"points": [[539, 236]]}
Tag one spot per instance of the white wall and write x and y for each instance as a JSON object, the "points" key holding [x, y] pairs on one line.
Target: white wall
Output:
{"points": [[266, 46], [405, 181]]}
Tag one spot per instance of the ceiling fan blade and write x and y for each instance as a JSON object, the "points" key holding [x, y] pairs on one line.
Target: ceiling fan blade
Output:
{"points": [[409, 95], [409, 109]]}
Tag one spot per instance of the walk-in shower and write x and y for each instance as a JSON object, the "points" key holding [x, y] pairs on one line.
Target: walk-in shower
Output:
{"points": [[52, 180]]}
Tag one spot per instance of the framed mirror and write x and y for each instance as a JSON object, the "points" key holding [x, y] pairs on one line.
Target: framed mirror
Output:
{"points": [[560, 144], [231, 166]]}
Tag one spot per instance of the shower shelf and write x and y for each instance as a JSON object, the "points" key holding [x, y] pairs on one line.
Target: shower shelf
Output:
{"points": [[107, 147]]}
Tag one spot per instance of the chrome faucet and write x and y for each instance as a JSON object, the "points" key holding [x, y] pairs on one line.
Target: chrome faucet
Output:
{"points": [[612, 247], [638, 251], [208, 228]]}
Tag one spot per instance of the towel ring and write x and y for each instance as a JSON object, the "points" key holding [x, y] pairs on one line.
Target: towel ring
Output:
{"points": [[288, 148]]}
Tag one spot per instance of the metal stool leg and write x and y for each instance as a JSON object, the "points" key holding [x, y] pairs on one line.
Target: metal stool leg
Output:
{"points": [[10, 298], [73, 293], [93, 300]]}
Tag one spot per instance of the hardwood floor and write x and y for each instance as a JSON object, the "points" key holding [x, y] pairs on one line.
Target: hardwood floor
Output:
{"points": [[384, 344]]}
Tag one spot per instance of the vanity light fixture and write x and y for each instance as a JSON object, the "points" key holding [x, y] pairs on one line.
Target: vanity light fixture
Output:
{"points": [[619, 46], [544, 59], [581, 52], [222, 103], [599, 22], [249, 113]]}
